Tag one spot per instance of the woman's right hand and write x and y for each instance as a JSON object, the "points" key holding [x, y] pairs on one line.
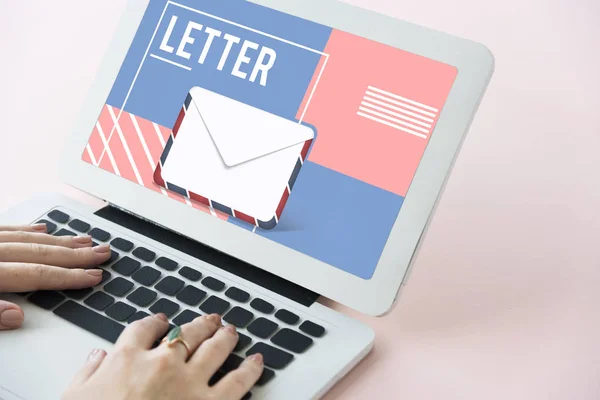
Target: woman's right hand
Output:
{"points": [[136, 371]]}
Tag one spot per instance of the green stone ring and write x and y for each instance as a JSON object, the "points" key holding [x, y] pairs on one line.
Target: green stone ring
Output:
{"points": [[173, 337]]}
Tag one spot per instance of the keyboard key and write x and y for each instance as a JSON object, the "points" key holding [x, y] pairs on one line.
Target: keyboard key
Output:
{"points": [[126, 266], [213, 284], [65, 232], [243, 342], [146, 276], [216, 378], [265, 377], [287, 317], [50, 226], [262, 327], [169, 286], [113, 257], [232, 362], [166, 263], [136, 316], [122, 244], [142, 296], [99, 301], [165, 306], [78, 294], [89, 320], [312, 329], [262, 306], [105, 277], [214, 305], [292, 340], [58, 216], [191, 295], [120, 311], [79, 225], [238, 317], [118, 286], [99, 234], [46, 299], [185, 317], [144, 254], [190, 273], [237, 294], [273, 357]]}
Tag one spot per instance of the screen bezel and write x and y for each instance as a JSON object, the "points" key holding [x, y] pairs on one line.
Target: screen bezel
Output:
{"points": [[375, 296]]}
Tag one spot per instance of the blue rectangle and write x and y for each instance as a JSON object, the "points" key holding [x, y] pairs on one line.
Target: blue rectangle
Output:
{"points": [[337, 219], [160, 87]]}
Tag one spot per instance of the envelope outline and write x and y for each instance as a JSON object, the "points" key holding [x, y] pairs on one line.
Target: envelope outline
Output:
{"points": [[265, 223], [242, 132]]}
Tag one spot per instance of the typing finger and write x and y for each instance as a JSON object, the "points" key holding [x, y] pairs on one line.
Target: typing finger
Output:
{"points": [[238, 382], [54, 255], [73, 242], [11, 316], [24, 228], [23, 277], [144, 333]]}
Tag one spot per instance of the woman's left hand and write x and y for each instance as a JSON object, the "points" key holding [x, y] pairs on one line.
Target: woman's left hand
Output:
{"points": [[32, 260]]}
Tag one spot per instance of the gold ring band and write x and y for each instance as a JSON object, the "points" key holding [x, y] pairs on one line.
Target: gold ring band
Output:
{"points": [[173, 337]]}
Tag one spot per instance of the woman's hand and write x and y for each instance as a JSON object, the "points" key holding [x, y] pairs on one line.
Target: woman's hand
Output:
{"points": [[135, 371], [31, 260]]}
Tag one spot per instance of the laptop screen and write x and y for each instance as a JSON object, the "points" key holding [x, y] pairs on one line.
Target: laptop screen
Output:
{"points": [[293, 131]]}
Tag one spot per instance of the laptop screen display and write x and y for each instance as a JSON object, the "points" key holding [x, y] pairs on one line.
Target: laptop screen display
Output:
{"points": [[290, 130]]}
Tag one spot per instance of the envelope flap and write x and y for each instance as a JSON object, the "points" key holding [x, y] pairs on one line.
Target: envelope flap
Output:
{"points": [[242, 132]]}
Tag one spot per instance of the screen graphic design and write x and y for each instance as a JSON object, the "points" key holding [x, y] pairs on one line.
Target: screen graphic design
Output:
{"points": [[296, 132]]}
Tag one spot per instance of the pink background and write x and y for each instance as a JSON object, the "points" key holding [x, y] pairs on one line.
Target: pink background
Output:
{"points": [[358, 147], [504, 302]]}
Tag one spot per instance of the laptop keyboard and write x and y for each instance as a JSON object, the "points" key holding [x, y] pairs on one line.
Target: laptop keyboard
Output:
{"points": [[138, 281]]}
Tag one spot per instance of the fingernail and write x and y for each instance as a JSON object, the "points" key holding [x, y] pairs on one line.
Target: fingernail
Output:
{"points": [[39, 227], [93, 354], [94, 272], [257, 358], [162, 316], [82, 239], [11, 318], [104, 248], [230, 329], [216, 318]]}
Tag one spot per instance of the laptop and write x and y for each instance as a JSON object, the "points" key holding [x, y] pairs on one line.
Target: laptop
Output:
{"points": [[254, 158]]}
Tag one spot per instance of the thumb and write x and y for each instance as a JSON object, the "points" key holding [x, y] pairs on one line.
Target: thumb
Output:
{"points": [[92, 363], [11, 316]]}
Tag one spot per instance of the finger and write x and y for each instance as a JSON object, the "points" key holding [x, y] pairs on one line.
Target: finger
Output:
{"points": [[11, 316], [194, 333], [73, 242], [238, 382], [145, 332], [21, 277], [25, 228], [54, 255], [92, 363], [213, 352]]}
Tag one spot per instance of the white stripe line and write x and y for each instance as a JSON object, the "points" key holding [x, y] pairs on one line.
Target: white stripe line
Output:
{"points": [[247, 28], [430, 114], [161, 139], [254, 229], [187, 201], [170, 62], [381, 121], [136, 76], [395, 114], [126, 147], [396, 120], [91, 154], [416, 103], [143, 141], [313, 89], [107, 149], [212, 211], [372, 100]]}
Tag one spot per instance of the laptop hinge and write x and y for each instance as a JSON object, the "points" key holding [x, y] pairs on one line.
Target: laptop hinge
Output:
{"points": [[208, 254]]}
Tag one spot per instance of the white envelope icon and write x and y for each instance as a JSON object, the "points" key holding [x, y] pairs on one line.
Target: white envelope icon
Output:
{"points": [[241, 158]]}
